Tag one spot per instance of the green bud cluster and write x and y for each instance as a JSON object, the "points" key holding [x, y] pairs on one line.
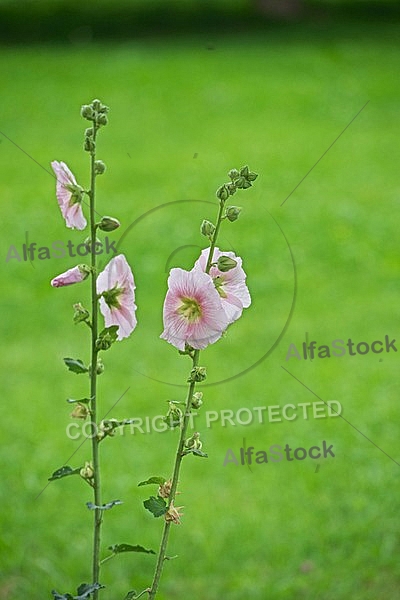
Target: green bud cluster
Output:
{"points": [[197, 400], [194, 443], [197, 374], [80, 313], [239, 180], [95, 112]]}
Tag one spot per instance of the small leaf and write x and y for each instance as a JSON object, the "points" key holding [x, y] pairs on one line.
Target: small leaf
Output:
{"points": [[107, 506], [76, 365], [156, 480], [195, 452], [157, 506], [64, 472], [119, 548], [81, 400], [111, 332], [84, 591]]}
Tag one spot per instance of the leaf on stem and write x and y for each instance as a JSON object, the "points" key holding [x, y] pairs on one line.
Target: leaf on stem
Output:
{"points": [[81, 400], [76, 365], [119, 548], [157, 506], [195, 452], [156, 480], [107, 506], [84, 591], [64, 472]]}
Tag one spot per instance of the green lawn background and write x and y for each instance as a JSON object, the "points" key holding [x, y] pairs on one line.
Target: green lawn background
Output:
{"points": [[181, 116]]}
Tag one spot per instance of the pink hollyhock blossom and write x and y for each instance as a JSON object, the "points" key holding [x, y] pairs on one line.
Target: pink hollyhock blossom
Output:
{"points": [[231, 285], [117, 303], [69, 196], [193, 312], [74, 275]]}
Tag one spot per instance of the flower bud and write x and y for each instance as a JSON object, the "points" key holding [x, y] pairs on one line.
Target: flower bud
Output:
{"points": [[87, 472], [89, 132], [87, 112], [232, 213], [198, 374], [89, 145], [197, 399], [96, 104], [194, 443], [101, 119], [207, 229], [244, 171], [80, 313], [99, 367], [173, 418], [233, 174], [99, 167], [108, 224], [165, 489], [231, 187], [225, 263], [81, 411], [222, 193]]}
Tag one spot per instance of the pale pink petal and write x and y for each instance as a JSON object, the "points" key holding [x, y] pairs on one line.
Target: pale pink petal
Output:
{"points": [[74, 275], [198, 331], [118, 276], [71, 211], [235, 294]]}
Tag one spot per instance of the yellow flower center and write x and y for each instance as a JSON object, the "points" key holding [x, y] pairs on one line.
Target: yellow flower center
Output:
{"points": [[190, 309]]}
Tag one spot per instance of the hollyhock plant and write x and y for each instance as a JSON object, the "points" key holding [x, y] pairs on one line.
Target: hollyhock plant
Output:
{"points": [[230, 284], [74, 275], [117, 289], [193, 312], [69, 196]]}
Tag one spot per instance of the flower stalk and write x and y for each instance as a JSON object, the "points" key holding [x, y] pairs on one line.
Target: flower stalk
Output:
{"points": [[210, 231]]}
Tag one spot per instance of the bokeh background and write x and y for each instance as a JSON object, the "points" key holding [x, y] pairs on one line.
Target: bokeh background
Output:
{"points": [[196, 88]]}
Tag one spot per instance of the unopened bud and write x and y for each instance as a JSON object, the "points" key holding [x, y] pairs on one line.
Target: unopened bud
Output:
{"points": [[207, 229], [233, 174], [198, 374], [194, 443], [197, 399], [87, 112], [99, 367], [101, 119], [222, 193], [233, 212], [87, 472], [80, 411], [109, 224], [225, 263], [80, 313], [89, 145], [99, 167]]}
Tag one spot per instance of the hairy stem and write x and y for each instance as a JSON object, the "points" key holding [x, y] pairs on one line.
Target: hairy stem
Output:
{"points": [[175, 479], [93, 377], [179, 452]]}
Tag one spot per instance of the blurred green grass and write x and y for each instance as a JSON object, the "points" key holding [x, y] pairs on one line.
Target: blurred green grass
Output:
{"points": [[181, 116]]}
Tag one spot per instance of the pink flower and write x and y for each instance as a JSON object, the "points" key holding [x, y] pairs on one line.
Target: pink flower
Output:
{"points": [[117, 303], [231, 285], [193, 312], [69, 196], [74, 275]]}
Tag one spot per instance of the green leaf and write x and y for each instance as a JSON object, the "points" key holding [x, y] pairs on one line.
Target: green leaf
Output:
{"points": [[81, 400], [156, 480], [64, 472], [119, 548], [84, 591], [107, 506], [111, 331], [76, 365], [195, 452], [130, 595], [157, 506]]}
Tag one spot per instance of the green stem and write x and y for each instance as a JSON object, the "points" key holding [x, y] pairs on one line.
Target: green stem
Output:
{"points": [[93, 378], [174, 485], [182, 437]]}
